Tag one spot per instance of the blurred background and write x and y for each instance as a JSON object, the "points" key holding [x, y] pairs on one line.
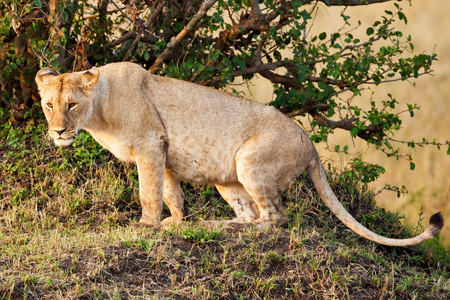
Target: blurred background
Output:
{"points": [[428, 184]]}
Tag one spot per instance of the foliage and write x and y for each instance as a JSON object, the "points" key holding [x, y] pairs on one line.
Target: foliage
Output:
{"points": [[317, 75]]}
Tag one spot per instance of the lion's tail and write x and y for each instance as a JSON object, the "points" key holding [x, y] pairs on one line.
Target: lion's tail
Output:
{"points": [[318, 176]]}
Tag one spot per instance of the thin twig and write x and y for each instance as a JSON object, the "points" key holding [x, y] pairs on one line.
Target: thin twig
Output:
{"points": [[11, 106]]}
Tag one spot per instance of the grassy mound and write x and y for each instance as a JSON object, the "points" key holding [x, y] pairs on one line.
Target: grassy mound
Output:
{"points": [[67, 230]]}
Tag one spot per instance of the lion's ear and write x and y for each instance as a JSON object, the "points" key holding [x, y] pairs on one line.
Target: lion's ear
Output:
{"points": [[44, 77], [88, 79]]}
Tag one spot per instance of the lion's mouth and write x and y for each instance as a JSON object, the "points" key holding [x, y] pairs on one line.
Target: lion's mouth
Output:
{"points": [[63, 138], [62, 142]]}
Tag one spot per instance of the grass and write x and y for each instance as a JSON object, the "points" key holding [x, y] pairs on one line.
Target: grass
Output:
{"points": [[67, 231]]}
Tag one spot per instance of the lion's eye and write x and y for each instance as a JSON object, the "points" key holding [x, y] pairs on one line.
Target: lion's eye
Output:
{"points": [[50, 105], [72, 105]]}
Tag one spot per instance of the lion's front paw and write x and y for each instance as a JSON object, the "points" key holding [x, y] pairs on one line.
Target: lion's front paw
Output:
{"points": [[147, 223], [170, 220]]}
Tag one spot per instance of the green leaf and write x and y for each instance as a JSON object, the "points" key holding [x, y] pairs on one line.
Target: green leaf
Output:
{"points": [[370, 31], [323, 36], [346, 149], [38, 3], [412, 166], [277, 55], [402, 16], [354, 131]]}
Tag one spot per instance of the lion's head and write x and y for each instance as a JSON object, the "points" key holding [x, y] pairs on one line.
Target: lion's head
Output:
{"points": [[66, 101]]}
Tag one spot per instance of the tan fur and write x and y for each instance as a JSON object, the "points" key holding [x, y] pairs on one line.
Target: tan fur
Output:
{"points": [[175, 130]]}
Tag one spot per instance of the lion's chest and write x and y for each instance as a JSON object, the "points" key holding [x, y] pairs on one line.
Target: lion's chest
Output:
{"points": [[115, 146]]}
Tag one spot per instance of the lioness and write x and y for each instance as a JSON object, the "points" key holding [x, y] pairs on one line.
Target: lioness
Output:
{"points": [[175, 130]]}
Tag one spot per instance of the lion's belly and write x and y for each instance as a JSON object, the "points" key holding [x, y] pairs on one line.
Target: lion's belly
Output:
{"points": [[202, 165]]}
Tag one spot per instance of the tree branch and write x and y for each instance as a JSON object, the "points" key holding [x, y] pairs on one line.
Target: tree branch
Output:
{"points": [[352, 2], [138, 22], [288, 82], [176, 40], [347, 124], [307, 108], [81, 62], [241, 72], [256, 11], [11, 106], [341, 84], [256, 21], [102, 6]]}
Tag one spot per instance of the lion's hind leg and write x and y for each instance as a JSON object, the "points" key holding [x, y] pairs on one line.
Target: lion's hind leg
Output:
{"points": [[265, 170], [269, 205], [241, 202]]}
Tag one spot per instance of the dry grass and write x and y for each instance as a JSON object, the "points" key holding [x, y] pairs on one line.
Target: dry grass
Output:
{"points": [[67, 232]]}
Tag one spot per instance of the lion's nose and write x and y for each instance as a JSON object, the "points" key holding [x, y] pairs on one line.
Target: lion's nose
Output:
{"points": [[60, 132]]}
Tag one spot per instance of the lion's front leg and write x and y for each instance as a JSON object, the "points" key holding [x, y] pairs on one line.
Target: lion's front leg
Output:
{"points": [[174, 198], [151, 167]]}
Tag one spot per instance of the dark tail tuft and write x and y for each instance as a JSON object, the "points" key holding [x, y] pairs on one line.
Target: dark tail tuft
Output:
{"points": [[436, 223]]}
